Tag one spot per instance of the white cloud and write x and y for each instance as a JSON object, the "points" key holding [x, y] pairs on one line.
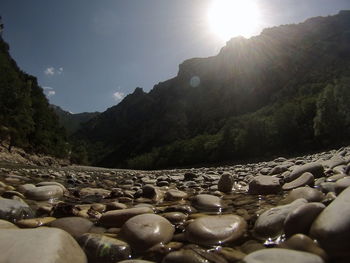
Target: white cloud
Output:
{"points": [[50, 71], [49, 92], [118, 95]]}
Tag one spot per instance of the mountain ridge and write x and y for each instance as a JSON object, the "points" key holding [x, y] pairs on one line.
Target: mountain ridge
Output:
{"points": [[245, 76]]}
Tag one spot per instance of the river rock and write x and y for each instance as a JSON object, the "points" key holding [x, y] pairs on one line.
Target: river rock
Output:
{"points": [[278, 255], [225, 183], [13, 210], [6, 225], [104, 249], [117, 218], [34, 222], [44, 193], [308, 193], [302, 242], [144, 231], [263, 184], [300, 220], [215, 230], [304, 179], [316, 169], [175, 195], [206, 202], [332, 227], [342, 184], [44, 245], [76, 226], [270, 223]]}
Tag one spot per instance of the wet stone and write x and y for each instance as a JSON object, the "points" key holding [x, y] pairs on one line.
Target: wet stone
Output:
{"points": [[34, 222], [308, 193], [225, 183], [278, 255], [263, 184], [206, 202], [300, 219], [76, 226], [117, 218], [215, 230], [104, 249], [303, 180], [13, 210], [43, 193], [144, 231], [270, 223]]}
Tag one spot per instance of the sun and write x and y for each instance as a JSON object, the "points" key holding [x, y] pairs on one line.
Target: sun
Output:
{"points": [[231, 18]]}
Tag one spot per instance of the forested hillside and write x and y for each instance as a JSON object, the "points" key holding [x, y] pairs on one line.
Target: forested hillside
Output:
{"points": [[26, 119], [285, 90]]}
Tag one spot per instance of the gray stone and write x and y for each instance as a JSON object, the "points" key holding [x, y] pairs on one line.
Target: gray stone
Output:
{"points": [[144, 231], [332, 227], [76, 226], [278, 255], [44, 193], [263, 184], [215, 230], [316, 169], [104, 249], [303, 180], [13, 210], [300, 220], [44, 245], [270, 223], [308, 193], [225, 183], [116, 218], [206, 202], [341, 184]]}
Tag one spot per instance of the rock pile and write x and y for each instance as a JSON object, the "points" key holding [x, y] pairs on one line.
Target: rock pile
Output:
{"points": [[285, 210]]}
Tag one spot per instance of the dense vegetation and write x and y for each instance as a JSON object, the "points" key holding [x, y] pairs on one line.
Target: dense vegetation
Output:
{"points": [[281, 92], [26, 119], [72, 121]]}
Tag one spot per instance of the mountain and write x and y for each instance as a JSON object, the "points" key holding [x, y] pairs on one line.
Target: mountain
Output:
{"points": [[282, 91], [26, 119], [72, 121]]}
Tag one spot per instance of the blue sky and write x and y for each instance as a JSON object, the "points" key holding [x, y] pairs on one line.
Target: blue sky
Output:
{"points": [[89, 54]]}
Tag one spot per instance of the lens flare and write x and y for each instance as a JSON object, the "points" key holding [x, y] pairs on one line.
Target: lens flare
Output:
{"points": [[231, 18]]}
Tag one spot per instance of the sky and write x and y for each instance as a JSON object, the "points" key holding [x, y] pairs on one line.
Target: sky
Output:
{"points": [[89, 54]]}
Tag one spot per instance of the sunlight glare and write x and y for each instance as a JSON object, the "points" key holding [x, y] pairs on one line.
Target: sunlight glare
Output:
{"points": [[231, 18]]}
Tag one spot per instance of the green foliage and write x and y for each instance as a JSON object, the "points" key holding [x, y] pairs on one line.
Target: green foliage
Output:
{"points": [[25, 116]]}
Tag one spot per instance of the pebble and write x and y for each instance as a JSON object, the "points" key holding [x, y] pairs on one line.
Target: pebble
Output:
{"points": [[316, 169], [35, 222], [104, 249], [225, 183], [206, 202], [146, 230], [270, 223], [44, 193], [302, 242], [303, 180], [117, 218], [76, 226], [307, 193], [263, 184], [13, 210], [39, 245], [278, 255], [215, 230], [300, 219], [332, 227]]}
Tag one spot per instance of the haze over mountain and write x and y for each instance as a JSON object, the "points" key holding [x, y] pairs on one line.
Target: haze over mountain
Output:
{"points": [[268, 94], [72, 121]]}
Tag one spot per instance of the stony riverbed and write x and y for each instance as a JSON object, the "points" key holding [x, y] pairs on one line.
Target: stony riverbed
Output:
{"points": [[285, 210]]}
